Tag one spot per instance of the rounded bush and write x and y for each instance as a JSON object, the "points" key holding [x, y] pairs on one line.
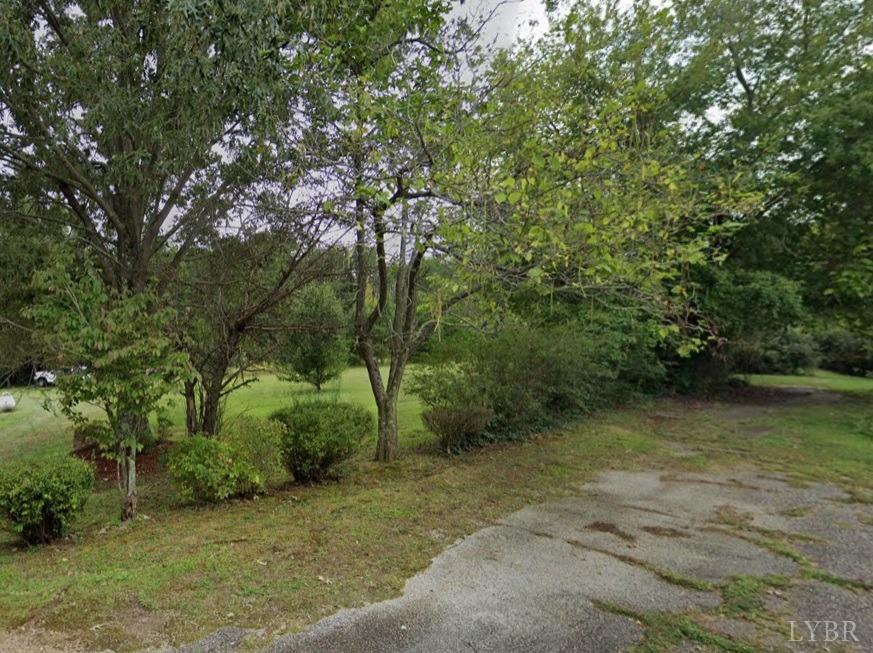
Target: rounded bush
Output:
{"points": [[260, 442], [845, 351], [40, 501], [320, 436], [209, 470]]}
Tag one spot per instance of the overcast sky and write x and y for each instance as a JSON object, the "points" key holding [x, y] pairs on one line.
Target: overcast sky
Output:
{"points": [[512, 20]]}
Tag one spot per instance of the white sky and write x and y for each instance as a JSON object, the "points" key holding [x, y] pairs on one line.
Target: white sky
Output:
{"points": [[512, 20]]}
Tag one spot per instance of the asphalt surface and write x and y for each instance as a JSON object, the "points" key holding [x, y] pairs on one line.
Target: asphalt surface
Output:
{"points": [[572, 575]]}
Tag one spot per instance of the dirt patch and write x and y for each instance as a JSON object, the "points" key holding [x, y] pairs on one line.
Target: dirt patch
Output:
{"points": [[30, 639], [612, 529], [130, 622], [665, 531], [763, 396], [729, 515]]}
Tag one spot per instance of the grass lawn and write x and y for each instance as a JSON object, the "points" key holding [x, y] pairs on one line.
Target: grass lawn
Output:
{"points": [[32, 432], [285, 560], [818, 379]]}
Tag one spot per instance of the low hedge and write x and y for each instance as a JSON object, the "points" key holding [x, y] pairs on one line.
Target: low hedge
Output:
{"points": [[40, 501], [457, 428]]}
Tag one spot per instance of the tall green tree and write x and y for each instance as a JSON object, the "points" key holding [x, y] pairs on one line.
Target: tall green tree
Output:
{"points": [[782, 90], [397, 107], [143, 120], [581, 183], [316, 348], [232, 297]]}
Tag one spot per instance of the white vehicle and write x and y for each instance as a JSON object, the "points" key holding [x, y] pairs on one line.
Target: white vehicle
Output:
{"points": [[44, 378]]}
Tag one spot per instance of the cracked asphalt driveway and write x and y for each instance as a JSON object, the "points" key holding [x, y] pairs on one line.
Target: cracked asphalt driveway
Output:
{"points": [[600, 571]]}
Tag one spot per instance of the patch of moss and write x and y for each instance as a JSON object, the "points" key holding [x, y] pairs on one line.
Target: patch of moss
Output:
{"points": [[743, 595], [666, 631], [846, 583]]}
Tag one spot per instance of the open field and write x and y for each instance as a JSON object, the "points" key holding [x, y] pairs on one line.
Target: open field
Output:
{"points": [[285, 560], [31, 431]]}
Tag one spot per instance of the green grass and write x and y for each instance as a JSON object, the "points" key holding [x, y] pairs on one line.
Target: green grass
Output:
{"points": [[818, 379], [743, 596], [665, 632], [33, 432], [287, 559]]}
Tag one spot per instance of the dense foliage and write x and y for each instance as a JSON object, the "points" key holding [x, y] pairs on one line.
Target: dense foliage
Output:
{"points": [[320, 436], [530, 376], [40, 501], [130, 363], [643, 197], [316, 350], [457, 428], [209, 470], [259, 442], [844, 350]]}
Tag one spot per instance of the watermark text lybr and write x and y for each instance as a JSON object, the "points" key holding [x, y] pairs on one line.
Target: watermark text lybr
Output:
{"points": [[823, 631]]}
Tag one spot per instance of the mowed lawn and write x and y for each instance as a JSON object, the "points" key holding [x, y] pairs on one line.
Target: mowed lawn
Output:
{"points": [[820, 379], [36, 429], [284, 560]]}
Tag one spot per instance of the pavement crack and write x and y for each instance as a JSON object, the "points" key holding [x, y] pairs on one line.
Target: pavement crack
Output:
{"points": [[667, 575], [732, 483], [653, 511], [532, 531]]}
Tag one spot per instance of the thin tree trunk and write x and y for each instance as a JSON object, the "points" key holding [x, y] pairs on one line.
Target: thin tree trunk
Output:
{"points": [[132, 430], [211, 410], [128, 511], [192, 416]]}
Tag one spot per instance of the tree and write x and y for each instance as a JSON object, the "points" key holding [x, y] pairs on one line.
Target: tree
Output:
{"points": [[142, 120], [131, 361], [579, 181], [396, 113], [317, 350], [781, 89], [24, 248], [232, 296]]}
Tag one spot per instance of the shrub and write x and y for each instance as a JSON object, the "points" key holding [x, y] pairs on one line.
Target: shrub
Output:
{"points": [[845, 351], [319, 351], [207, 469], [260, 442], [752, 313], [531, 377], [790, 352], [99, 433], [457, 428], [41, 500], [320, 436]]}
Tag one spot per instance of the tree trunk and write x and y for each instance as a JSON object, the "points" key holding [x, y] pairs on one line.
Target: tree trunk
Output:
{"points": [[387, 443], [192, 415], [211, 410], [128, 510], [132, 429]]}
